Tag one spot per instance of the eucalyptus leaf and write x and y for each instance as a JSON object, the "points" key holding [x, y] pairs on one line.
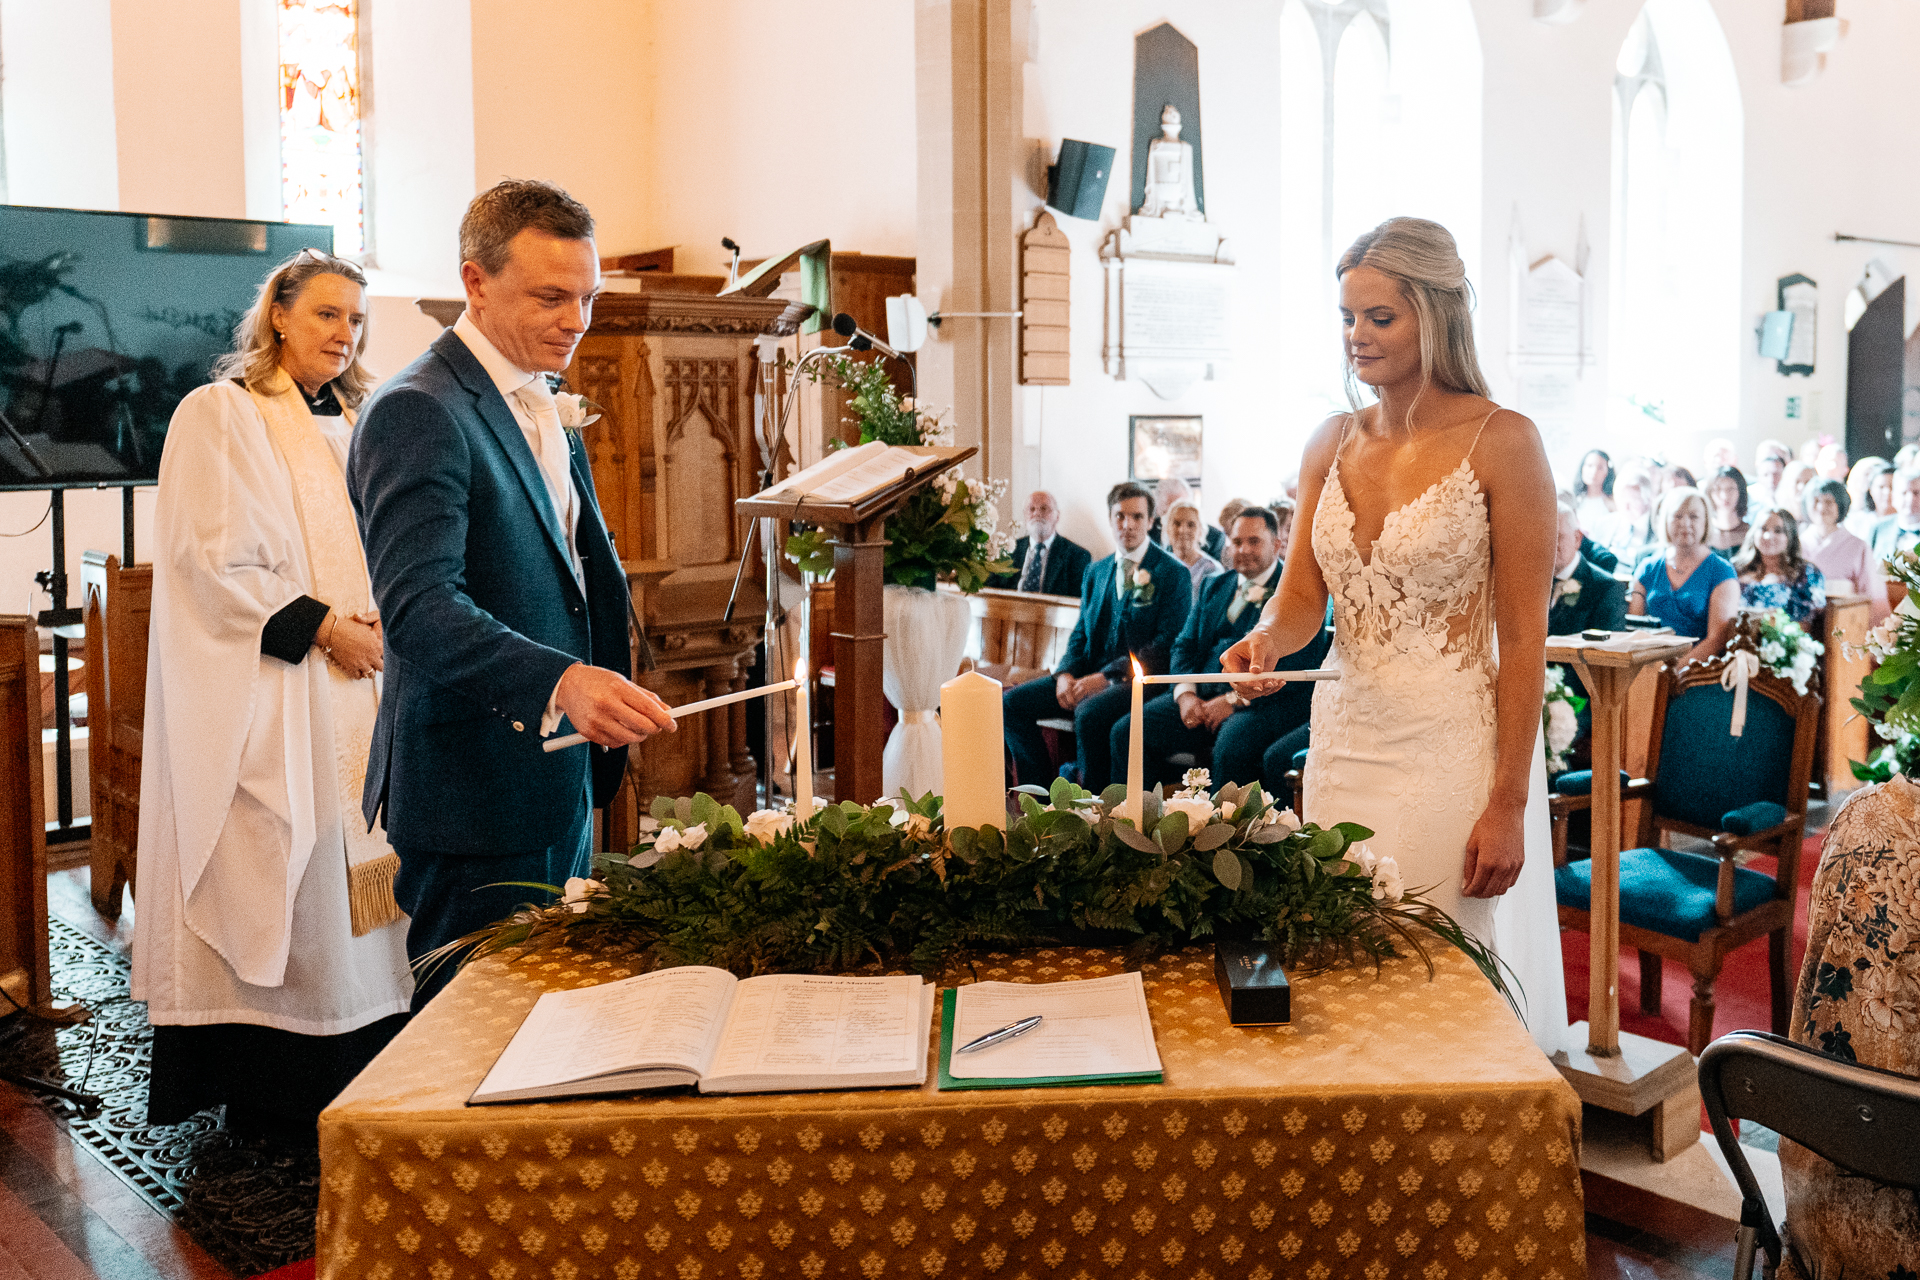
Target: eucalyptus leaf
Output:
{"points": [[1113, 795], [1267, 835], [1128, 836], [1150, 809], [1172, 831], [683, 809], [1212, 836], [1028, 789], [1226, 869]]}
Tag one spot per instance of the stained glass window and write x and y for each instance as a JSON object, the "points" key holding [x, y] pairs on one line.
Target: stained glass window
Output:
{"points": [[322, 160]]}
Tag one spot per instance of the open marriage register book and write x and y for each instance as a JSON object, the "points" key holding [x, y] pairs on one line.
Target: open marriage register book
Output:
{"points": [[697, 1025]]}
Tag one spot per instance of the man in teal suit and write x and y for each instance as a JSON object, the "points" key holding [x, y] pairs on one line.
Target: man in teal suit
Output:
{"points": [[504, 606], [1222, 732], [1132, 604]]}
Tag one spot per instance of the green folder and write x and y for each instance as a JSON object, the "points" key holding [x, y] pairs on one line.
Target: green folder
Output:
{"points": [[948, 1083]]}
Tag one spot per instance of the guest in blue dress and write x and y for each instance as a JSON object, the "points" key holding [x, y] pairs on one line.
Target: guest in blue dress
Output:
{"points": [[1773, 574], [1680, 581]]}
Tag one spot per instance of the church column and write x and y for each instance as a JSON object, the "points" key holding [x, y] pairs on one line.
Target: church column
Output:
{"points": [[973, 199]]}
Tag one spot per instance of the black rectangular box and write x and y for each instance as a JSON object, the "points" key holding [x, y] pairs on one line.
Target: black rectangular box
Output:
{"points": [[1077, 186], [1252, 984]]}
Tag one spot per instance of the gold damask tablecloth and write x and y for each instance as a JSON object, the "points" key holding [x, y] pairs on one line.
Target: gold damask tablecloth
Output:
{"points": [[1396, 1128]]}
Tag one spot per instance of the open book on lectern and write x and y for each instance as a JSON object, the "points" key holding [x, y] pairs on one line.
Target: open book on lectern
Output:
{"points": [[852, 475]]}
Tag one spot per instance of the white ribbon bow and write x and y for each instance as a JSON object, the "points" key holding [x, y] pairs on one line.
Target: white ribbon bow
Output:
{"points": [[1742, 666]]}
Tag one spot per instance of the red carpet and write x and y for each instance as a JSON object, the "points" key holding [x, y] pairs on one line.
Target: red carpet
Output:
{"points": [[292, 1271], [1742, 999]]}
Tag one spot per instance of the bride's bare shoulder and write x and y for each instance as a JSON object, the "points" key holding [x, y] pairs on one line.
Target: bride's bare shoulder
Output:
{"points": [[1325, 442], [1510, 448]]}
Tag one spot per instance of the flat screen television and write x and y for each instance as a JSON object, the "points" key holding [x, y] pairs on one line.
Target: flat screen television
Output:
{"points": [[106, 321]]}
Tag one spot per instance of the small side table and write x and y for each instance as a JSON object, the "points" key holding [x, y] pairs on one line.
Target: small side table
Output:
{"points": [[1621, 1072]]}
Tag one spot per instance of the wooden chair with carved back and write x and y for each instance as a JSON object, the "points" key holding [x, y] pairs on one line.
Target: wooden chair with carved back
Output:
{"points": [[1746, 794], [117, 601]]}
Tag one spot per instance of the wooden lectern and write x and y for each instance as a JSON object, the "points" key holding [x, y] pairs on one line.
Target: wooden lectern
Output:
{"points": [[859, 614], [1620, 1072]]}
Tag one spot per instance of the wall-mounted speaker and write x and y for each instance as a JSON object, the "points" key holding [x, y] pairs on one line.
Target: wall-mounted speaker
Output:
{"points": [[1077, 186]]}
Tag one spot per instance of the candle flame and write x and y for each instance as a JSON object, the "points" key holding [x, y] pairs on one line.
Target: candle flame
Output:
{"points": [[1138, 670], [800, 671]]}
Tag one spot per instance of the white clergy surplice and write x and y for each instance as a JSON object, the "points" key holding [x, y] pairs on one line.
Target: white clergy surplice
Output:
{"points": [[244, 804]]}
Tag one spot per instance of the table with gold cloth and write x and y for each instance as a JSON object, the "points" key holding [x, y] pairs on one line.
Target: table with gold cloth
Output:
{"points": [[1395, 1128]]}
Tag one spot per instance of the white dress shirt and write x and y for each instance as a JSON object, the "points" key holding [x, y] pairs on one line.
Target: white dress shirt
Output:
{"points": [[1241, 589], [532, 408]]}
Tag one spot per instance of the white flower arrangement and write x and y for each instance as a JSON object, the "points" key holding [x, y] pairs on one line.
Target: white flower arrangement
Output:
{"points": [[1385, 873], [1560, 717], [579, 894], [1788, 651]]}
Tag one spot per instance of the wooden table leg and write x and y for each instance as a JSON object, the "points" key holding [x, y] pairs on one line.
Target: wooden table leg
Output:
{"points": [[859, 646], [1609, 688]]}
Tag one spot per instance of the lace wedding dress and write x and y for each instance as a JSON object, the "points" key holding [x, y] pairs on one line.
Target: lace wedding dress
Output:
{"points": [[1404, 741]]}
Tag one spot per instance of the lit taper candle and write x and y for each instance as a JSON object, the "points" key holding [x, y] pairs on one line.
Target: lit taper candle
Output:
{"points": [[1132, 807], [803, 742]]}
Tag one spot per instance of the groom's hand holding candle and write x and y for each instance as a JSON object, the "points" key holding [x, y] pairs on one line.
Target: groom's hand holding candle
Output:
{"points": [[609, 709]]}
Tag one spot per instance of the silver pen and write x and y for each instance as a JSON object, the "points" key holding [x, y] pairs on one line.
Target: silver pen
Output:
{"points": [[1007, 1032]]}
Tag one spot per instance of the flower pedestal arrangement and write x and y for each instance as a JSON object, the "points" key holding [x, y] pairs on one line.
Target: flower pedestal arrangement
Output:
{"points": [[857, 886], [926, 635]]}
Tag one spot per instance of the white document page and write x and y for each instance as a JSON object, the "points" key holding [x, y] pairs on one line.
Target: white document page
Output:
{"points": [[670, 1018], [808, 481], [1095, 1027], [802, 1027]]}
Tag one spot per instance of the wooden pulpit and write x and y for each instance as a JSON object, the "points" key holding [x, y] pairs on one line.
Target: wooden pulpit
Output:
{"points": [[859, 614]]}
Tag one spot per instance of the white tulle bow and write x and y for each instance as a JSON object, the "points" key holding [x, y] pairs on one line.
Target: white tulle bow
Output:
{"points": [[1742, 666]]}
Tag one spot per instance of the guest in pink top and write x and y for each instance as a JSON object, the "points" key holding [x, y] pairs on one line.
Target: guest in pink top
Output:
{"points": [[1845, 560]]}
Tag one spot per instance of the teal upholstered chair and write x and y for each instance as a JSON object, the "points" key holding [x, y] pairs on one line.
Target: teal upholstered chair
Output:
{"points": [[1747, 795]]}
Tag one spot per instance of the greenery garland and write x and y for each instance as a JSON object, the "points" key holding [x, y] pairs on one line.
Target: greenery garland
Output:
{"points": [[889, 884]]}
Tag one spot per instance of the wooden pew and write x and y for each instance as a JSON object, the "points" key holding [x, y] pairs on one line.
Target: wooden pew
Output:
{"points": [[117, 602], [1017, 635], [1844, 735], [24, 970]]}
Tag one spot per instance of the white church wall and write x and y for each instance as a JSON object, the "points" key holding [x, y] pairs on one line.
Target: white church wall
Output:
{"points": [[57, 103]]}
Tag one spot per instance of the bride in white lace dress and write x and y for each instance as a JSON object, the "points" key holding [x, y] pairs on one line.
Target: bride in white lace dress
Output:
{"points": [[1429, 519]]}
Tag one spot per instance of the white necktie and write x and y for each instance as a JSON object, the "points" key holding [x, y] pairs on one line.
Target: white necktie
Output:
{"points": [[551, 446]]}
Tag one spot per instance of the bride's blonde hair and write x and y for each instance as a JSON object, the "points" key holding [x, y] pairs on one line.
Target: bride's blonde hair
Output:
{"points": [[1421, 257]]}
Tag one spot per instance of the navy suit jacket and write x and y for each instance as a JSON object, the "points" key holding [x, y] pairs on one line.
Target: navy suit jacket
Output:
{"points": [[1111, 628], [482, 614], [1208, 635], [1067, 563], [1601, 604]]}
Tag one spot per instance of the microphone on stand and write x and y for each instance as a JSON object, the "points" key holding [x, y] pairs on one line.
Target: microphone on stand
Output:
{"points": [[860, 340]]}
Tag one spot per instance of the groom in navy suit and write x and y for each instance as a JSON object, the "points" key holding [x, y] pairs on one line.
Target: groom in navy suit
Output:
{"points": [[504, 606], [1221, 731], [1131, 603]]}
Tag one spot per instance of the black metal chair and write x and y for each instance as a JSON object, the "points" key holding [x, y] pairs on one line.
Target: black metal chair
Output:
{"points": [[1863, 1119]]}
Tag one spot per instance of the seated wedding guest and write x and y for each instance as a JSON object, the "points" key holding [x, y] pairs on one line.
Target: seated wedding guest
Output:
{"points": [[1045, 560], [1672, 478], [1856, 1000], [1900, 531], [1845, 560], [1831, 462], [1132, 604], [1585, 594], [1630, 532], [1171, 490], [1791, 492], [1769, 460], [1210, 722], [270, 952], [1727, 500], [1719, 453], [1183, 540], [1231, 512], [1773, 573], [1870, 487], [1283, 509], [1593, 498], [1906, 457], [1682, 583]]}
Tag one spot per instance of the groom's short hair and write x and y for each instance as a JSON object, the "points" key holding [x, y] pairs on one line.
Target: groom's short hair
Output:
{"points": [[507, 208]]}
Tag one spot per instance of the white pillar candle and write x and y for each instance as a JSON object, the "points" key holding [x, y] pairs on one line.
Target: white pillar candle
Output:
{"points": [[973, 752], [803, 741], [1132, 807]]}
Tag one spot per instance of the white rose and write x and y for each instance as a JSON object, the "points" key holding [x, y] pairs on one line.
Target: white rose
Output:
{"points": [[1256, 594], [1199, 810], [1562, 726], [693, 837], [579, 891], [1387, 886], [1227, 809], [573, 410], [669, 841], [1141, 577], [1363, 856], [768, 824], [1283, 818]]}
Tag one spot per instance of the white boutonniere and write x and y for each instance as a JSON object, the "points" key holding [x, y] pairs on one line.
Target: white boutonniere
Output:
{"points": [[1255, 593], [1140, 590], [1566, 590], [576, 411]]}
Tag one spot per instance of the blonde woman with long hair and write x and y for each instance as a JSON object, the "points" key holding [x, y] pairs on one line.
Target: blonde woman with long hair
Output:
{"points": [[1429, 518], [270, 952]]}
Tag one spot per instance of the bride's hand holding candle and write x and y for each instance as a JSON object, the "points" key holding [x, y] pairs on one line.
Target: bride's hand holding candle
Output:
{"points": [[1258, 650]]}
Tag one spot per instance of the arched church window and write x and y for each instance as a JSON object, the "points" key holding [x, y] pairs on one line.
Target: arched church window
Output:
{"points": [[1350, 157], [322, 152], [1673, 365]]}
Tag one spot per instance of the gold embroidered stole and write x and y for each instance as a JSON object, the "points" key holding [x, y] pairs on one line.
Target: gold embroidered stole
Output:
{"points": [[340, 579]]}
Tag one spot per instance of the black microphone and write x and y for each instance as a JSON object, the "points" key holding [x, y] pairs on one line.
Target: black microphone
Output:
{"points": [[859, 339]]}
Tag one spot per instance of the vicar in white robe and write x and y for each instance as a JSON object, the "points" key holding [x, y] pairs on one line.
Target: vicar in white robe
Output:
{"points": [[268, 946]]}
